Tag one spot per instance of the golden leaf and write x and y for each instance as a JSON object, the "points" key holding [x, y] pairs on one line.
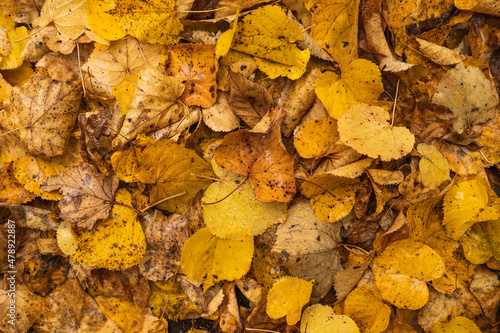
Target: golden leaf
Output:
{"points": [[69, 16], [322, 319], [366, 129], [481, 242], [316, 138], [365, 306], [439, 54], [11, 42], [11, 191], [360, 82], [287, 297], [458, 324], [128, 316], [434, 168]]}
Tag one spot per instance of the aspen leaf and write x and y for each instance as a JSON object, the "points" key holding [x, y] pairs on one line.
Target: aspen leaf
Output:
{"points": [[458, 324], [365, 306], [171, 169], [332, 197], [287, 297], [210, 259], [11, 191], [465, 204], [220, 117], [335, 28], [237, 62], [196, 66], [154, 105], [44, 112], [10, 46], [468, 94], [126, 57], [366, 129], [322, 319], [360, 82], [68, 16], [434, 167], [87, 195], [115, 243], [316, 138], [240, 214], [307, 247], [403, 284], [263, 158], [269, 35]]}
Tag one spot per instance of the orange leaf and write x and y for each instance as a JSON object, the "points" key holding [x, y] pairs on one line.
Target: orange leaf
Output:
{"points": [[262, 157]]}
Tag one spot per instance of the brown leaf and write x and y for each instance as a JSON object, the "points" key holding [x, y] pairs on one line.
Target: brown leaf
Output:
{"points": [[263, 158], [43, 273], [44, 112], [11, 191], [344, 281], [249, 100], [87, 195]]}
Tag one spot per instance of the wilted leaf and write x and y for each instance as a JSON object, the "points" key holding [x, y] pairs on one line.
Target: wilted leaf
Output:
{"points": [[366, 129], [481, 242], [11, 191], [345, 280], [220, 117], [385, 177], [263, 158], [332, 197], [69, 16], [287, 297], [170, 300], [321, 319], [196, 66], [249, 100], [316, 138], [231, 209], [465, 204], [268, 34], [360, 82], [44, 113], [87, 196], [128, 316], [434, 168], [365, 306], [403, 284], [208, 258], [307, 247], [468, 94], [116, 243]]}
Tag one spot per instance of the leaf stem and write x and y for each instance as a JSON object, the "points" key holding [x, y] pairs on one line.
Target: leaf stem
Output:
{"points": [[321, 187], [234, 190], [160, 201], [395, 101]]}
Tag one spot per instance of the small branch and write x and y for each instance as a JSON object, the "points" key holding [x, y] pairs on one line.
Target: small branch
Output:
{"points": [[395, 101], [234, 190], [160, 201], [321, 187]]}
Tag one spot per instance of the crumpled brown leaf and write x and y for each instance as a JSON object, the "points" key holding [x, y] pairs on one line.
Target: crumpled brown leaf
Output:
{"points": [[87, 195]]}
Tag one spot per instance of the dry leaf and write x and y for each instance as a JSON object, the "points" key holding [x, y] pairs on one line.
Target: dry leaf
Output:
{"points": [[220, 117], [322, 319], [287, 297], [11, 191], [365, 306], [316, 138], [439, 54], [434, 168]]}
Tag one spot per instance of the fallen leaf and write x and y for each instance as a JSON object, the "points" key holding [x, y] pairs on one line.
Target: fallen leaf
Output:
{"points": [[365, 306], [21, 11], [287, 297], [87, 196], [263, 158], [220, 117], [308, 248], [12, 42], [196, 66], [11, 191], [128, 316], [489, 138], [366, 129], [385, 177], [115, 243], [434, 168], [486, 6], [43, 113], [439, 54], [457, 324], [66, 240], [208, 258], [322, 319], [346, 280], [248, 100], [226, 38], [316, 138], [68, 16], [469, 94], [269, 35], [481, 242], [360, 82]]}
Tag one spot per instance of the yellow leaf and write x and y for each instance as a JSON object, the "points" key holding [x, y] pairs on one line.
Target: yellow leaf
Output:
{"points": [[465, 204], [125, 163], [208, 258], [402, 270], [128, 316], [11, 191], [226, 39], [10, 46], [287, 297], [196, 66], [321, 319], [154, 105], [490, 137], [334, 198], [316, 138], [366, 307], [116, 243], [440, 54], [69, 16], [12, 148], [458, 324], [335, 28], [481, 242], [240, 214], [479, 6], [434, 167], [360, 82], [178, 306], [469, 95], [220, 117], [236, 62], [124, 93], [268, 34], [366, 129], [153, 22], [171, 169], [126, 57], [66, 240]]}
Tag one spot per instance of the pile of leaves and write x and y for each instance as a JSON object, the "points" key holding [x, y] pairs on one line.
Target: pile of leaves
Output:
{"points": [[291, 166]]}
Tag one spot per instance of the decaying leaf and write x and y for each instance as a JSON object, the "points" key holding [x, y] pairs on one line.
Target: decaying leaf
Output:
{"points": [[69, 16], [322, 319], [287, 297], [434, 168], [366, 129], [468, 93], [481, 242], [307, 247], [440, 54], [11, 191], [263, 158], [220, 116]]}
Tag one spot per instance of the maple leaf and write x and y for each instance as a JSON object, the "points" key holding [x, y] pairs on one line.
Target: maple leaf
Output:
{"points": [[322, 319], [87, 196], [262, 157]]}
